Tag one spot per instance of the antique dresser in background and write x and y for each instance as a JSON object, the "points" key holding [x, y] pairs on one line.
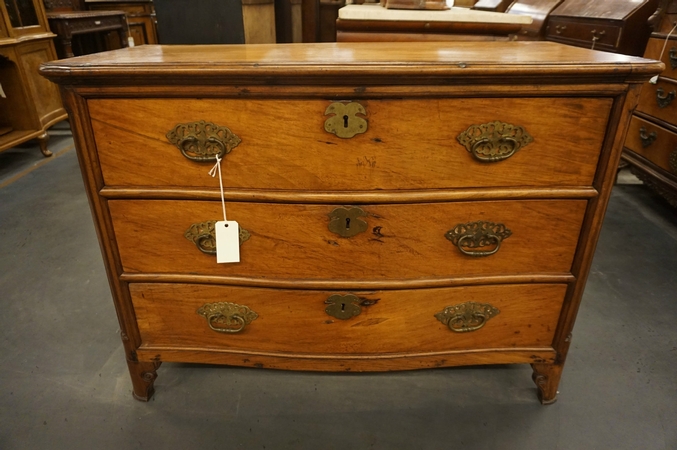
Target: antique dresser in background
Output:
{"points": [[651, 145], [401, 206], [620, 26]]}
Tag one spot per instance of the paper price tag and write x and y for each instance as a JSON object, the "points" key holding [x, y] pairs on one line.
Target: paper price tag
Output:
{"points": [[130, 41], [227, 241]]}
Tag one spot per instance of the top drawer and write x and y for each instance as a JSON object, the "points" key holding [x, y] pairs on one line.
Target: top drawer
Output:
{"points": [[408, 144]]}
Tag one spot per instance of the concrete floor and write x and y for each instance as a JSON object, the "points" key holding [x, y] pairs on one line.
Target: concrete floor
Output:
{"points": [[64, 383]]}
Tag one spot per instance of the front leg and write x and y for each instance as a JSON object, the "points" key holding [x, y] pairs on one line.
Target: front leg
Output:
{"points": [[546, 377]]}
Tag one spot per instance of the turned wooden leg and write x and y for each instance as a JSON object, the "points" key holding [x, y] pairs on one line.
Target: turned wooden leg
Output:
{"points": [[546, 377], [143, 375], [42, 142]]}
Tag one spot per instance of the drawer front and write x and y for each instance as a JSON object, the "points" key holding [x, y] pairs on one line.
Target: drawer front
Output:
{"points": [[659, 100], [297, 322], [409, 144], [607, 35], [397, 242], [654, 143], [669, 58]]}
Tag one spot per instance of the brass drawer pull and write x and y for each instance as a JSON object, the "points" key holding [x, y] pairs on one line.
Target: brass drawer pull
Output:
{"points": [[478, 234], [231, 316], [673, 58], [203, 235], [469, 316], [203, 141], [560, 28], [494, 141], [346, 222], [673, 161], [647, 139], [344, 121], [664, 99]]}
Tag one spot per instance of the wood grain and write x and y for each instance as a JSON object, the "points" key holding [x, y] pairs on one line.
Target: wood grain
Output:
{"points": [[292, 321], [410, 144], [401, 242]]}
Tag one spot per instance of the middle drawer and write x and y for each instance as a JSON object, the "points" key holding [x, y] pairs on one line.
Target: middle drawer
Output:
{"points": [[369, 242]]}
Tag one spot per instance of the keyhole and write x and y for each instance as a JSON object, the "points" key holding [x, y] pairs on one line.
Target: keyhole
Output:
{"points": [[347, 223], [345, 121], [343, 306]]}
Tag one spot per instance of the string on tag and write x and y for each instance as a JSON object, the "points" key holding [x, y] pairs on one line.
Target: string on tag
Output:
{"points": [[654, 79], [212, 172]]}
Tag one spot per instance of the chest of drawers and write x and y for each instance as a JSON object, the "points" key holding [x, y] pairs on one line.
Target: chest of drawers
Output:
{"points": [[651, 145], [610, 25], [400, 206]]}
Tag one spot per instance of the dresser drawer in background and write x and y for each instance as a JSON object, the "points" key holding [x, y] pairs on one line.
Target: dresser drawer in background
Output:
{"points": [[409, 144], [669, 58], [181, 316], [658, 100], [606, 36], [388, 242], [654, 142]]}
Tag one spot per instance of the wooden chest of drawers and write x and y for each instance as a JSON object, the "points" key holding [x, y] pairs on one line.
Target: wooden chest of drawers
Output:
{"points": [[651, 145], [611, 25], [401, 206]]}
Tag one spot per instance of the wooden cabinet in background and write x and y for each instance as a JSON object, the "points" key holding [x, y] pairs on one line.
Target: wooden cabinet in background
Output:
{"points": [[651, 145], [619, 26], [140, 17], [538, 10], [29, 104]]}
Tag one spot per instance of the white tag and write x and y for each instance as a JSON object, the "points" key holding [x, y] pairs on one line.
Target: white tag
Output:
{"points": [[654, 80], [227, 241], [130, 41], [2, 92]]}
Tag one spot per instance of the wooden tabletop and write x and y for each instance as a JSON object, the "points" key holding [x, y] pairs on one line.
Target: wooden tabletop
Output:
{"points": [[349, 63]]}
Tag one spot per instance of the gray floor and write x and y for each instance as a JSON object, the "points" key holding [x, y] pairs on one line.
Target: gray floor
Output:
{"points": [[64, 384]]}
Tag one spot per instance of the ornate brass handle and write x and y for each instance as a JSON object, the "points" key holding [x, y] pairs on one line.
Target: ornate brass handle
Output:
{"points": [[203, 235], [560, 28], [494, 141], [673, 58], [233, 317], [203, 141], [647, 139], [664, 99], [469, 316], [478, 234], [596, 36]]}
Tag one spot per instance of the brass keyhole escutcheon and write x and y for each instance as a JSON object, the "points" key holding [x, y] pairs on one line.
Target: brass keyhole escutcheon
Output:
{"points": [[344, 121], [346, 222], [343, 307]]}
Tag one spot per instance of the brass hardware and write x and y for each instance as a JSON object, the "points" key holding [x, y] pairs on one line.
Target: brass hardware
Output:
{"points": [[560, 28], [673, 161], [647, 139], [203, 235], [673, 58], [233, 317], [203, 141], [494, 141], [664, 99], [343, 307], [478, 234], [346, 222], [344, 122], [597, 36], [469, 316]]}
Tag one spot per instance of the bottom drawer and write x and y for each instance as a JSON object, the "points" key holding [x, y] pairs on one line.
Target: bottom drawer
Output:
{"points": [[178, 316]]}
